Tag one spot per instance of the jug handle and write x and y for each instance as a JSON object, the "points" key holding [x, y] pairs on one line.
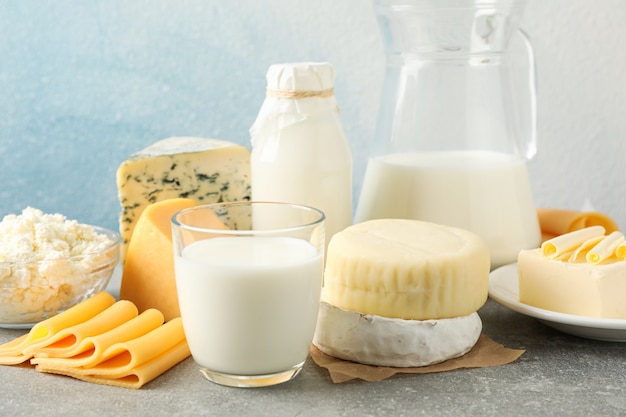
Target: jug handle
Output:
{"points": [[526, 92]]}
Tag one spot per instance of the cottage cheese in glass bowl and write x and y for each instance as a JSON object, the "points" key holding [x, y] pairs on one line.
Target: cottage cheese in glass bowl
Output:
{"points": [[49, 263]]}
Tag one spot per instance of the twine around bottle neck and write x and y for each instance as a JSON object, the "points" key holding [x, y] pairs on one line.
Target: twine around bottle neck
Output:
{"points": [[297, 94]]}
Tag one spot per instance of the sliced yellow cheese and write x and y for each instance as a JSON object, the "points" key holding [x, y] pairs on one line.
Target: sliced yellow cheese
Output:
{"points": [[205, 170], [108, 345], [148, 274], [407, 269], [136, 377], [134, 362], [122, 357], [67, 342], [91, 349], [12, 353], [556, 222], [554, 247]]}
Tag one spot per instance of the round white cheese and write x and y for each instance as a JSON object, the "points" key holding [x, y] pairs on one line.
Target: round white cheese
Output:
{"points": [[407, 269], [382, 341]]}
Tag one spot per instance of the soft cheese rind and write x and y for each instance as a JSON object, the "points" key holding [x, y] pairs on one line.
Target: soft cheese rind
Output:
{"points": [[407, 269], [205, 170], [381, 341]]}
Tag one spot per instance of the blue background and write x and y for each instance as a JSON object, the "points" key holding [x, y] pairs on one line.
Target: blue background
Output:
{"points": [[84, 84]]}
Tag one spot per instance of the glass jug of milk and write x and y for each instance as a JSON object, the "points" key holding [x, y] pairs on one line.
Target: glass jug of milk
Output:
{"points": [[457, 121]]}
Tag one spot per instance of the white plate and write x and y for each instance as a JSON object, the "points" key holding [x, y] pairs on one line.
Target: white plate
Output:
{"points": [[503, 288]]}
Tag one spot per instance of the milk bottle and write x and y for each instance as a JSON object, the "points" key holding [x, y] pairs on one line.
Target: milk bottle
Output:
{"points": [[299, 149]]}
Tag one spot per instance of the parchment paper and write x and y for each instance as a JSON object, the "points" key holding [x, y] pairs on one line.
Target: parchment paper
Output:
{"points": [[485, 353]]}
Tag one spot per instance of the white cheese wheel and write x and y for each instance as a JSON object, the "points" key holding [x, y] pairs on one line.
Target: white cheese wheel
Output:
{"points": [[407, 269], [382, 341]]}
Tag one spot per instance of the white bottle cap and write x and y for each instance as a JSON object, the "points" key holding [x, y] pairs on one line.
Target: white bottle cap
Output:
{"points": [[301, 76]]}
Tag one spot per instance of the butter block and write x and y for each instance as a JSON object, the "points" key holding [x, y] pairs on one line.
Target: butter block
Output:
{"points": [[407, 269], [204, 170], [579, 288]]}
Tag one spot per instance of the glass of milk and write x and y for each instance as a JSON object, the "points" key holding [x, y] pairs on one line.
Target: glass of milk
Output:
{"points": [[249, 277]]}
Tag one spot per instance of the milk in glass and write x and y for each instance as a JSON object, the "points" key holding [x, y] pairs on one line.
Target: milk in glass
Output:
{"points": [[249, 304]]}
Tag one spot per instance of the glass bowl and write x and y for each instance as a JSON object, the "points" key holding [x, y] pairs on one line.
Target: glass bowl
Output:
{"points": [[32, 291]]}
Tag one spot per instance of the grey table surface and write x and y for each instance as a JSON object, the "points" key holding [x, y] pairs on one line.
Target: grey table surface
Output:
{"points": [[559, 374]]}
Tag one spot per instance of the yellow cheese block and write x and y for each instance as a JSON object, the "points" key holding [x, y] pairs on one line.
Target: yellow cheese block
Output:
{"points": [[407, 269], [205, 170], [148, 274]]}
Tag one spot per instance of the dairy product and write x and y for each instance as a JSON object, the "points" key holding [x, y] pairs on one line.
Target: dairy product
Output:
{"points": [[65, 342], [300, 153], [620, 251], [484, 192], [89, 349], [13, 352], [402, 293], [205, 170], [249, 304], [556, 222], [585, 277], [131, 363], [35, 236], [44, 265], [605, 249], [299, 180], [102, 341], [148, 273], [381, 341], [408, 269], [566, 243]]}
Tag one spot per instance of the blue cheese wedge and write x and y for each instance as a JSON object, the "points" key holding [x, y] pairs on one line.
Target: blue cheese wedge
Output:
{"points": [[205, 170]]}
